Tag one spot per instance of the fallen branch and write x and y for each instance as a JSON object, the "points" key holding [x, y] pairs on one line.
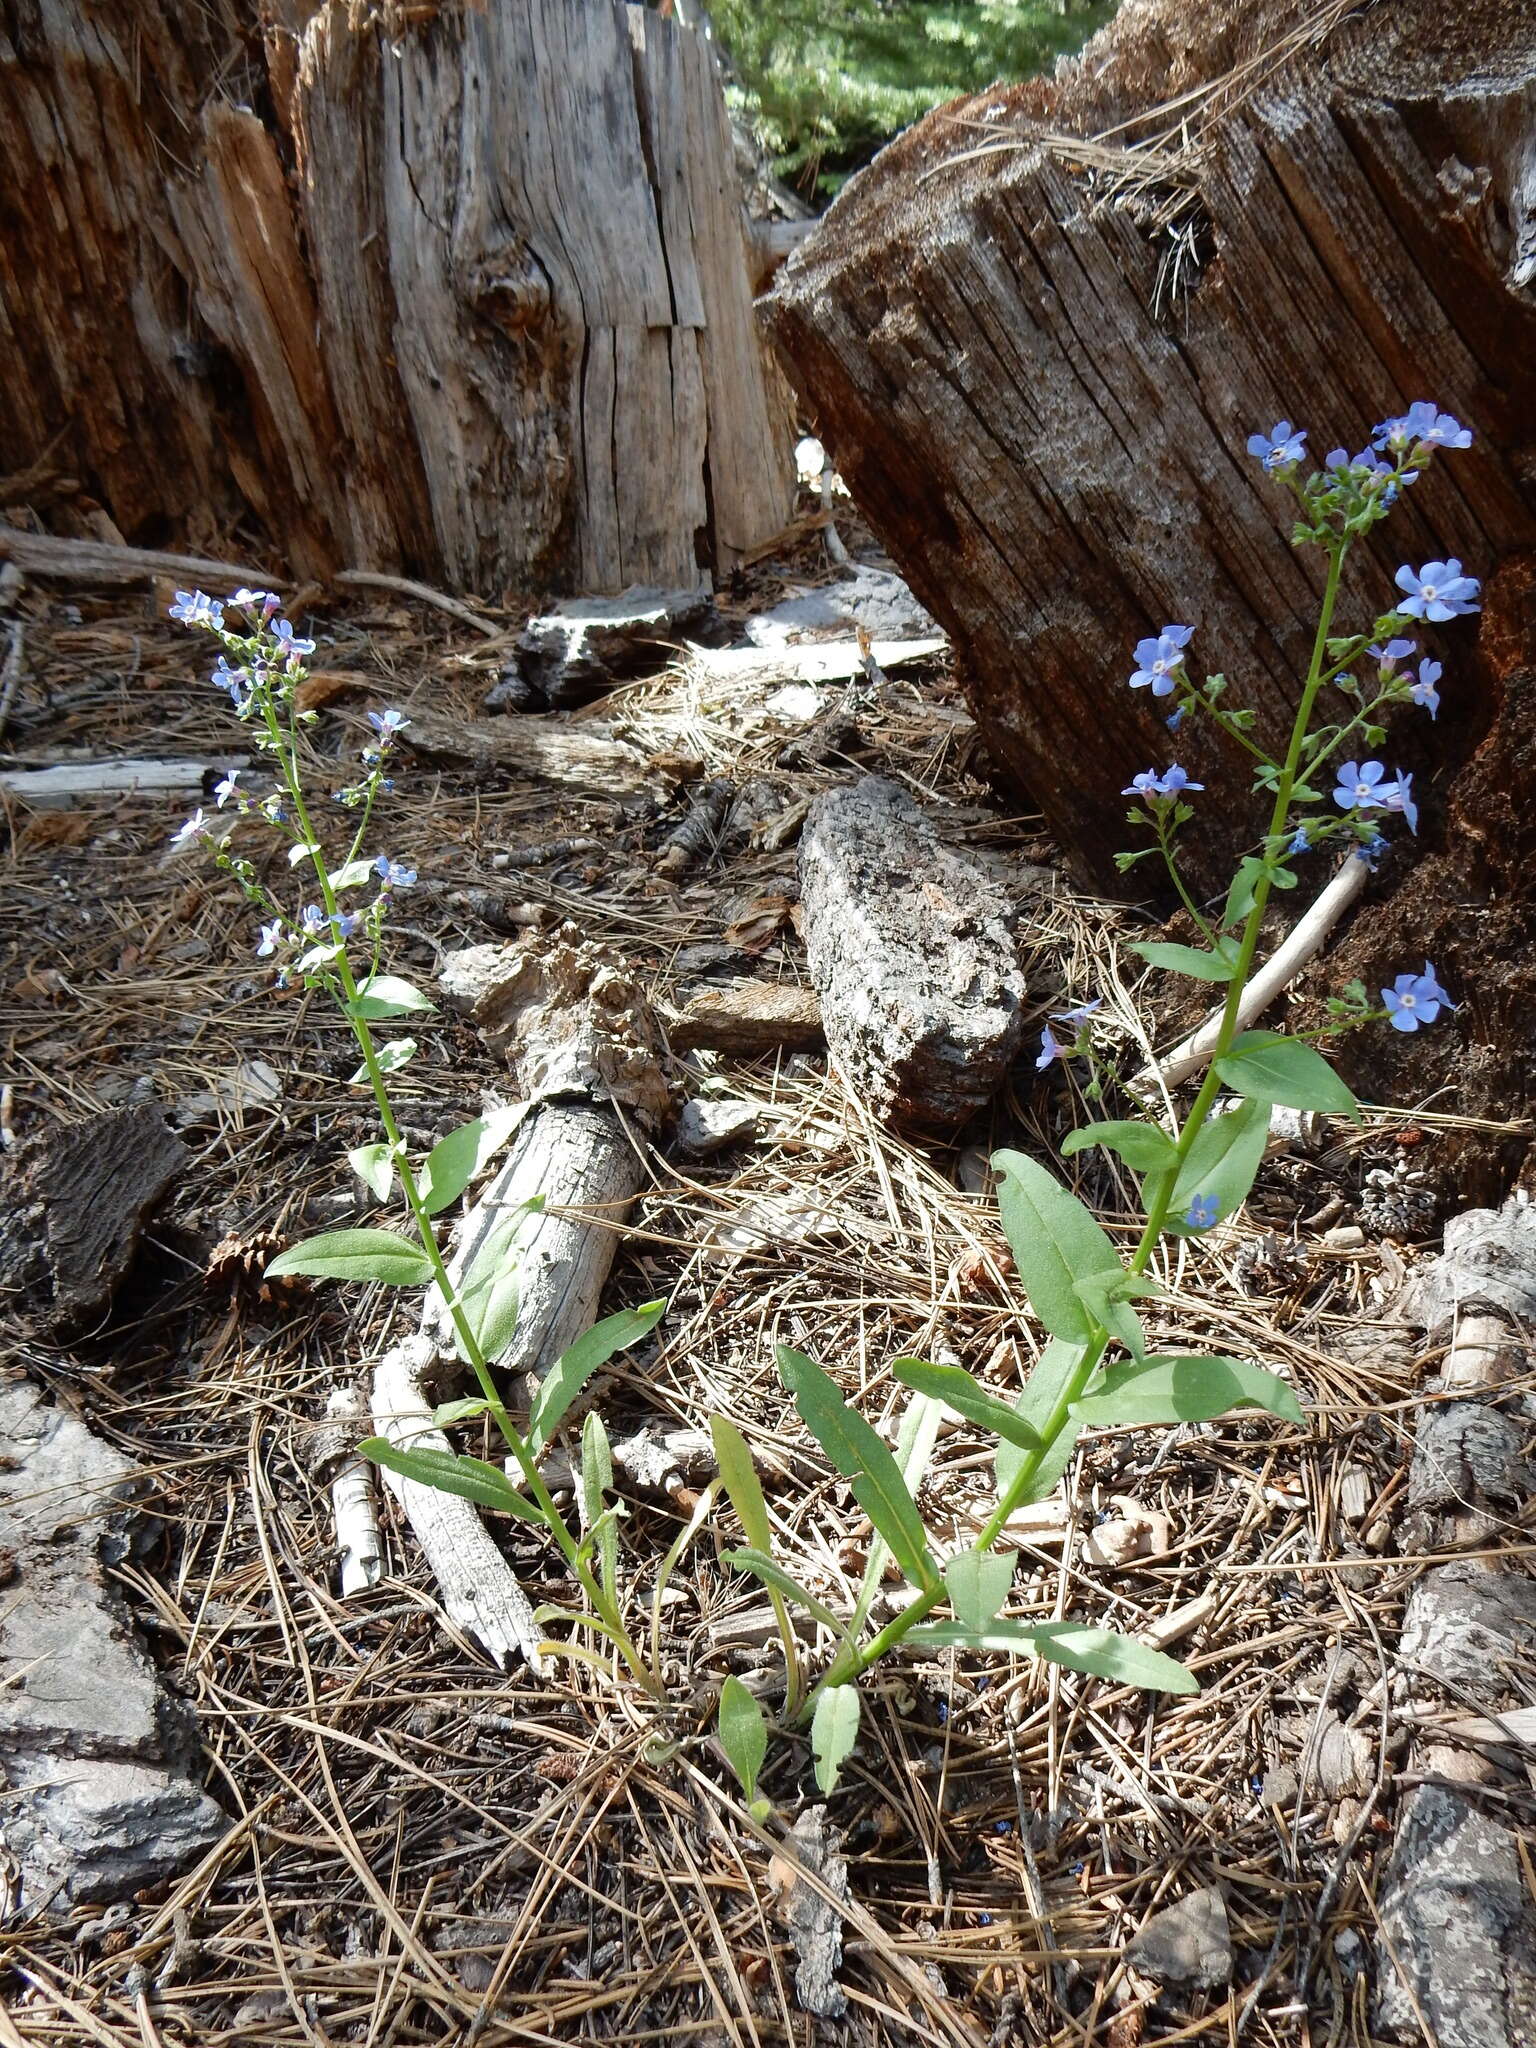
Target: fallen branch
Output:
{"points": [[68, 783], [359, 1547], [406, 586], [96, 561], [1305, 940]]}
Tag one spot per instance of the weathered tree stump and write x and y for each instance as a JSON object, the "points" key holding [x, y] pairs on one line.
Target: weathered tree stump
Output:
{"points": [[473, 300], [1037, 331], [922, 994]]}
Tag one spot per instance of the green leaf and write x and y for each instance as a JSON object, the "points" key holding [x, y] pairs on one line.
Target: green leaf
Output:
{"points": [[357, 1255], [576, 1365], [374, 1166], [386, 995], [864, 1462], [596, 1480], [397, 1054], [978, 1583], [1222, 1162], [1250, 872], [468, 1478], [455, 1160], [738, 1475], [447, 1413], [743, 1733], [777, 1580], [1056, 1243], [1266, 1067], [1194, 961], [1098, 1651], [834, 1731], [489, 1293], [353, 875], [1037, 1403], [955, 1387], [1184, 1390], [301, 851], [1141, 1145]]}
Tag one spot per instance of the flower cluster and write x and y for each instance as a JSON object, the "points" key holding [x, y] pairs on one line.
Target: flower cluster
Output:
{"points": [[260, 668]]}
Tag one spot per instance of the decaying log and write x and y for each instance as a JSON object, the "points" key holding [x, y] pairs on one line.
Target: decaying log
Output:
{"points": [[747, 1019], [579, 1039], [461, 292], [359, 1546], [580, 757], [922, 993], [1457, 1947], [74, 1199], [1037, 331], [70, 783]]}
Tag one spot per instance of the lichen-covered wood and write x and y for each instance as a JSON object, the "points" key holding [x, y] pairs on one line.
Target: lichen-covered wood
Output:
{"points": [[921, 989], [459, 291]]}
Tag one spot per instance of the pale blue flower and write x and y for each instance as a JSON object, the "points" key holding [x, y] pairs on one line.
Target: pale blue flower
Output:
{"points": [[196, 608], [1438, 591], [387, 723], [271, 938], [1159, 659], [1281, 448], [1400, 798], [1051, 1048], [1080, 1015], [1423, 425], [229, 787], [1423, 690], [393, 873], [194, 829], [1388, 657], [1415, 999], [1202, 1212], [289, 643], [1360, 786]]}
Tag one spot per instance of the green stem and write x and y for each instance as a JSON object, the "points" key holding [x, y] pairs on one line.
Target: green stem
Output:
{"points": [[853, 1660], [602, 1604]]}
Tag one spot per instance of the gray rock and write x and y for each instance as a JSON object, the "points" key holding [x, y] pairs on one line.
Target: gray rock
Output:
{"points": [[1187, 1943], [97, 1754], [705, 1126], [579, 647], [1489, 1262]]}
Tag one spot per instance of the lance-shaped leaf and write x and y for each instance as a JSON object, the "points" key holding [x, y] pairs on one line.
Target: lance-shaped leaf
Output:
{"points": [[455, 1160], [1266, 1067], [777, 1580], [1184, 1390], [1220, 1165], [1098, 1651], [576, 1365], [955, 1387], [834, 1731], [1056, 1243], [596, 1480], [468, 1478], [374, 1166], [488, 1293], [1143, 1147], [1191, 960], [386, 995], [743, 1733], [357, 1255], [864, 1462]]}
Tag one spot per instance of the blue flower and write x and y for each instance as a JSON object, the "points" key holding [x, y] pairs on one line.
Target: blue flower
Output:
{"points": [[1395, 651], [195, 608], [1400, 798], [264, 601], [1159, 659], [1360, 786], [1438, 591], [1080, 1015], [1370, 850], [1281, 448], [184, 835], [1415, 999], [1423, 690], [345, 922], [1423, 425], [236, 681], [230, 787], [1176, 719], [1150, 784], [312, 918], [393, 873], [271, 938], [387, 723], [1300, 844], [1051, 1048], [1202, 1212], [288, 642]]}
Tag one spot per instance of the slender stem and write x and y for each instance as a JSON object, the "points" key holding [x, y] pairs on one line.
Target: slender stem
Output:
{"points": [[1165, 846], [854, 1659], [604, 1605]]}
